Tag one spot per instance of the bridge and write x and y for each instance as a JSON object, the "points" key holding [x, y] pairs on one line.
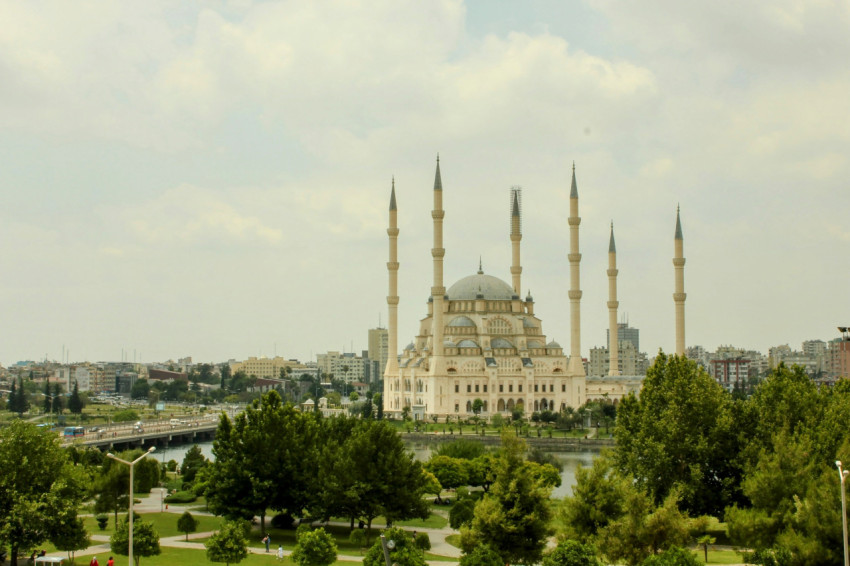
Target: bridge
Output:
{"points": [[125, 436]]}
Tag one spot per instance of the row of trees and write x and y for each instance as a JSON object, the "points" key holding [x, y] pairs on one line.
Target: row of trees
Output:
{"points": [[19, 402], [272, 456], [687, 450]]}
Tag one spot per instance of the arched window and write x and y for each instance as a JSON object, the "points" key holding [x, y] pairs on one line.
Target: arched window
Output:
{"points": [[500, 406], [499, 326]]}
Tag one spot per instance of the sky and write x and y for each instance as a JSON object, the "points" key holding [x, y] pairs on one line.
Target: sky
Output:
{"points": [[211, 179]]}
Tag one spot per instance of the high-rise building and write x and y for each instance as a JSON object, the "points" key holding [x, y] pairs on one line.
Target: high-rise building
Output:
{"points": [[378, 343], [625, 333]]}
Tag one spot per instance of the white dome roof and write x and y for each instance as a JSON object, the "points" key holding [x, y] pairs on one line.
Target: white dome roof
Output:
{"points": [[467, 344], [535, 344], [553, 344], [490, 287]]}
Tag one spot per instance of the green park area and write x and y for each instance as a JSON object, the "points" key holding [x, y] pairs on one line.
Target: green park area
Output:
{"points": [[696, 475]]}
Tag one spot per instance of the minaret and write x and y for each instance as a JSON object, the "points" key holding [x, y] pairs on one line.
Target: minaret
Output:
{"points": [[613, 303], [679, 296], [438, 291], [576, 367], [516, 237], [392, 299]]}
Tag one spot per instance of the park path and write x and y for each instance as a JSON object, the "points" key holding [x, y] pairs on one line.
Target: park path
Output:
{"points": [[153, 504]]}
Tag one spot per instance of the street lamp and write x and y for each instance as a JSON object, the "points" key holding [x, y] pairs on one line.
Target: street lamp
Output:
{"points": [[131, 464], [842, 473]]}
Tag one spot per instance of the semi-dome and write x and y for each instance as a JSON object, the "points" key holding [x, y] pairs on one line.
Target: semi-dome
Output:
{"points": [[461, 321], [535, 344], [500, 343], [410, 347], [449, 344], [467, 344], [489, 287], [553, 344]]}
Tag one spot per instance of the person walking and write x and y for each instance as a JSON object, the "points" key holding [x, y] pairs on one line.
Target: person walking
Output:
{"points": [[110, 562], [93, 561], [280, 552], [267, 540]]}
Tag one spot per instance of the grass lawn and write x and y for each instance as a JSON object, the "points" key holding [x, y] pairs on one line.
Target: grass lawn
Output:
{"points": [[165, 523], [720, 556], [453, 540], [439, 558], [190, 557]]}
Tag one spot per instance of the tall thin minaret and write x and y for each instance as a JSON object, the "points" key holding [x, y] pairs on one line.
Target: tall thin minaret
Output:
{"points": [[516, 237], [679, 296], [392, 299], [613, 303], [576, 366], [438, 291]]}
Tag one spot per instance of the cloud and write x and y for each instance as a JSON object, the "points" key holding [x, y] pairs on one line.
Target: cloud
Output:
{"points": [[191, 215]]}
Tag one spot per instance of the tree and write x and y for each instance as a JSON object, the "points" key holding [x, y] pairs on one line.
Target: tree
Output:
{"points": [[140, 390], [513, 516], [597, 500], [678, 437], [193, 461], [477, 406], [378, 401], [229, 544], [75, 403], [71, 536], [224, 370], [450, 472], [39, 488], [571, 553], [354, 396], [187, 524], [112, 486], [314, 548], [404, 551], [145, 539], [673, 556], [641, 531], [481, 555]]}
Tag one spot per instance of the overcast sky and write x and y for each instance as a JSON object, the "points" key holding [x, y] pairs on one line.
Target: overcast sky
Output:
{"points": [[211, 179]]}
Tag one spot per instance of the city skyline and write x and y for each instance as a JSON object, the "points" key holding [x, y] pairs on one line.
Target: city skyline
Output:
{"points": [[212, 180]]}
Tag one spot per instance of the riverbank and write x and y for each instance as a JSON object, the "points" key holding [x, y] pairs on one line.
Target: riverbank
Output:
{"points": [[554, 444]]}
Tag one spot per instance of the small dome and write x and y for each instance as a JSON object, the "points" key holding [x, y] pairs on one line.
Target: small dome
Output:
{"points": [[462, 321], [500, 343], [448, 344], [553, 345], [480, 286], [409, 347], [528, 323], [535, 344], [467, 344]]}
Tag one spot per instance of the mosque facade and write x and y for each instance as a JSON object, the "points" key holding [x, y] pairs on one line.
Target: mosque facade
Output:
{"points": [[481, 348]]}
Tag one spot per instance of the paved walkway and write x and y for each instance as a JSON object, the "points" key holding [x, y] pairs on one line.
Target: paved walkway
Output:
{"points": [[153, 503]]}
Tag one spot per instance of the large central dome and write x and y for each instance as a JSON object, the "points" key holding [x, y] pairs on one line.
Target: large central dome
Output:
{"points": [[490, 287]]}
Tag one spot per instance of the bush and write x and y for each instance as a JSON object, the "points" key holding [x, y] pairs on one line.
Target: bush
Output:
{"points": [[181, 497], [422, 541], [283, 521], [125, 415], [462, 513], [102, 521], [673, 556]]}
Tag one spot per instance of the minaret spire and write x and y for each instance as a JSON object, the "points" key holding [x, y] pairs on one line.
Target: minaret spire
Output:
{"points": [[391, 370], [613, 303], [576, 367], [516, 238], [438, 290], [679, 295]]}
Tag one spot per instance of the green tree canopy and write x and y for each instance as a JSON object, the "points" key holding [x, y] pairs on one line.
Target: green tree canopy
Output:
{"points": [[314, 548], [571, 553], [404, 551], [229, 544], [679, 436], [39, 488], [145, 539], [187, 524], [513, 517]]}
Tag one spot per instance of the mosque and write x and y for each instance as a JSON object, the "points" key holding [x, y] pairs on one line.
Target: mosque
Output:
{"points": [[481, 348]]}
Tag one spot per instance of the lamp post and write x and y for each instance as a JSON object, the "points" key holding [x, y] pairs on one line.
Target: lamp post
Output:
{"points": [[131, 464], [842, 473]]}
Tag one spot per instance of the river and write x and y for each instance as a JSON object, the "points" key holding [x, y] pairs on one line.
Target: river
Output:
{"points": [[570, 460]]}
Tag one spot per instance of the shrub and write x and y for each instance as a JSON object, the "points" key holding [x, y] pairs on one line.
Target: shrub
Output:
{"points": [[181, 497], [358, 538], [422, 541], [102, 521]]}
